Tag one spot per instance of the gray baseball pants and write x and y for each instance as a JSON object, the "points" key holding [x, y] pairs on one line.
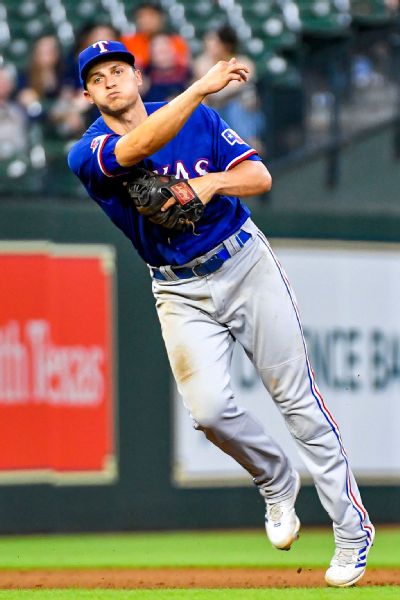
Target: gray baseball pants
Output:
{"points": [[249, 300]]}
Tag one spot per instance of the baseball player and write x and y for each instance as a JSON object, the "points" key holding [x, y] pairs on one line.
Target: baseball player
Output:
{"points": [[216, 281]]}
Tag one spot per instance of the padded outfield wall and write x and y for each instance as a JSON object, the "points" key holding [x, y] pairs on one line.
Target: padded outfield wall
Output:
{"points": [[113, 466]]}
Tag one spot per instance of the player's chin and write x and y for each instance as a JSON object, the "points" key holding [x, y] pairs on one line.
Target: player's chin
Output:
{"points": [[116, 106]]}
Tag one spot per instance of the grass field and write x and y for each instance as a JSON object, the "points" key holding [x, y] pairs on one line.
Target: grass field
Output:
{"points": [[372, 593], [189, 549], [183, 549]]}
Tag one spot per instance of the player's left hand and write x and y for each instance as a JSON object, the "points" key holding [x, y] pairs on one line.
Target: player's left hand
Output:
{"points": [[204, 187], [149, 193]]}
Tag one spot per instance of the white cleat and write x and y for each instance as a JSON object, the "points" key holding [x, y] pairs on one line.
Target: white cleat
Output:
{"points": [[281, 522], [348, 565]]}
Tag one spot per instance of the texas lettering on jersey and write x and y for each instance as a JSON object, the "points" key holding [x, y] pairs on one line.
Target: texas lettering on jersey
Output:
{"points": [[181, 172]]}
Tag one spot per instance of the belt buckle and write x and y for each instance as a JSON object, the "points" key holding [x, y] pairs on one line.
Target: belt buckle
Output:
{"points": [[209, 266], [194, 269]]}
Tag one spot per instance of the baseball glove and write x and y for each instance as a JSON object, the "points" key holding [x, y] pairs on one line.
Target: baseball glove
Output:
{"points": [[149, 192]]}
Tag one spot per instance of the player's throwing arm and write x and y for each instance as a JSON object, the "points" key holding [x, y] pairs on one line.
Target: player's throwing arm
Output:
{"points": [[161, 126]]}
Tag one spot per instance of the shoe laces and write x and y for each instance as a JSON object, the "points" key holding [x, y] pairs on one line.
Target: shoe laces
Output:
{"points": [[344, 557], [277, 510]]}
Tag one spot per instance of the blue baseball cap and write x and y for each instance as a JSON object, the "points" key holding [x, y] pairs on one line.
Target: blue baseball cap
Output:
{"points": [[102, 50]]}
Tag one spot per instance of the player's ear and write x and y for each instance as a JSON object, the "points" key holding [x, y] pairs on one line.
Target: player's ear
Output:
{"points": [[138, 75], [88, 97]]}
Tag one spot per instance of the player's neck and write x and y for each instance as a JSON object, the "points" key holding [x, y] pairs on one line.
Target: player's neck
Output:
{"points": [[125, 122]]}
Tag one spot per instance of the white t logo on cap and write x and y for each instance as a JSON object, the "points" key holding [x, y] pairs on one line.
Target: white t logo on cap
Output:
{"points": [[101, 45]]}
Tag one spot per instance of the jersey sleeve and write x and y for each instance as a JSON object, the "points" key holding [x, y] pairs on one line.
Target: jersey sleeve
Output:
{"points": [[103, 149], [228, 147], [94, 158]]}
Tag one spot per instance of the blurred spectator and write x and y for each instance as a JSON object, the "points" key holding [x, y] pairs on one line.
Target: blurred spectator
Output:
{"points": [[165, 77], [96, 32], [150, 20], [238, 105], [41, 82], [393, 5], [13, 127]]}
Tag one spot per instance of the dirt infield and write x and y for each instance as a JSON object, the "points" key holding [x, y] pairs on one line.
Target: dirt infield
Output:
{"points": [[181, 578]]}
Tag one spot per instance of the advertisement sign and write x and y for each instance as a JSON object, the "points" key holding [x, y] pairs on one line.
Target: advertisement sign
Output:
{"points": [[56, 363], [348, 294]]}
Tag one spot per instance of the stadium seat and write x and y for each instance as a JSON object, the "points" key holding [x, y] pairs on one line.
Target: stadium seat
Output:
{"points": [[326, 18], [371, 12]]}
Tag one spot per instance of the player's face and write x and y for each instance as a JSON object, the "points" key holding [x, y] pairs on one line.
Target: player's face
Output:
{"points": [[113, 86]]}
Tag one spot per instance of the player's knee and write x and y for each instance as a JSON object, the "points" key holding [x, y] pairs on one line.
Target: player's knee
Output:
{"points": [[205, 405], [306, 428], [206, 417]]}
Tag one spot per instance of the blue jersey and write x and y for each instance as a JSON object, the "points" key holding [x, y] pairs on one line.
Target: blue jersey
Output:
{"points": [[204, 144]]}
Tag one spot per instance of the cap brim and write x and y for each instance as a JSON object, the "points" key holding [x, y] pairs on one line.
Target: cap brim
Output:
{"points": [[123, 56]]}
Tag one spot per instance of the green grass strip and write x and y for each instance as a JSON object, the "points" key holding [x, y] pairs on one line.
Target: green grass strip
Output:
{"points": [[183, 549], [367, 593]]}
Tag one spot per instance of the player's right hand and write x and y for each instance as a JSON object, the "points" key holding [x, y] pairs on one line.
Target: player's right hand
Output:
{"points": [[220, 75]]}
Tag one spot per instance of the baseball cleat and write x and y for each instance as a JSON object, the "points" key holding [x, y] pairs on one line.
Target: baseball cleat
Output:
{"points": [[281, 522], [348, 565]]}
